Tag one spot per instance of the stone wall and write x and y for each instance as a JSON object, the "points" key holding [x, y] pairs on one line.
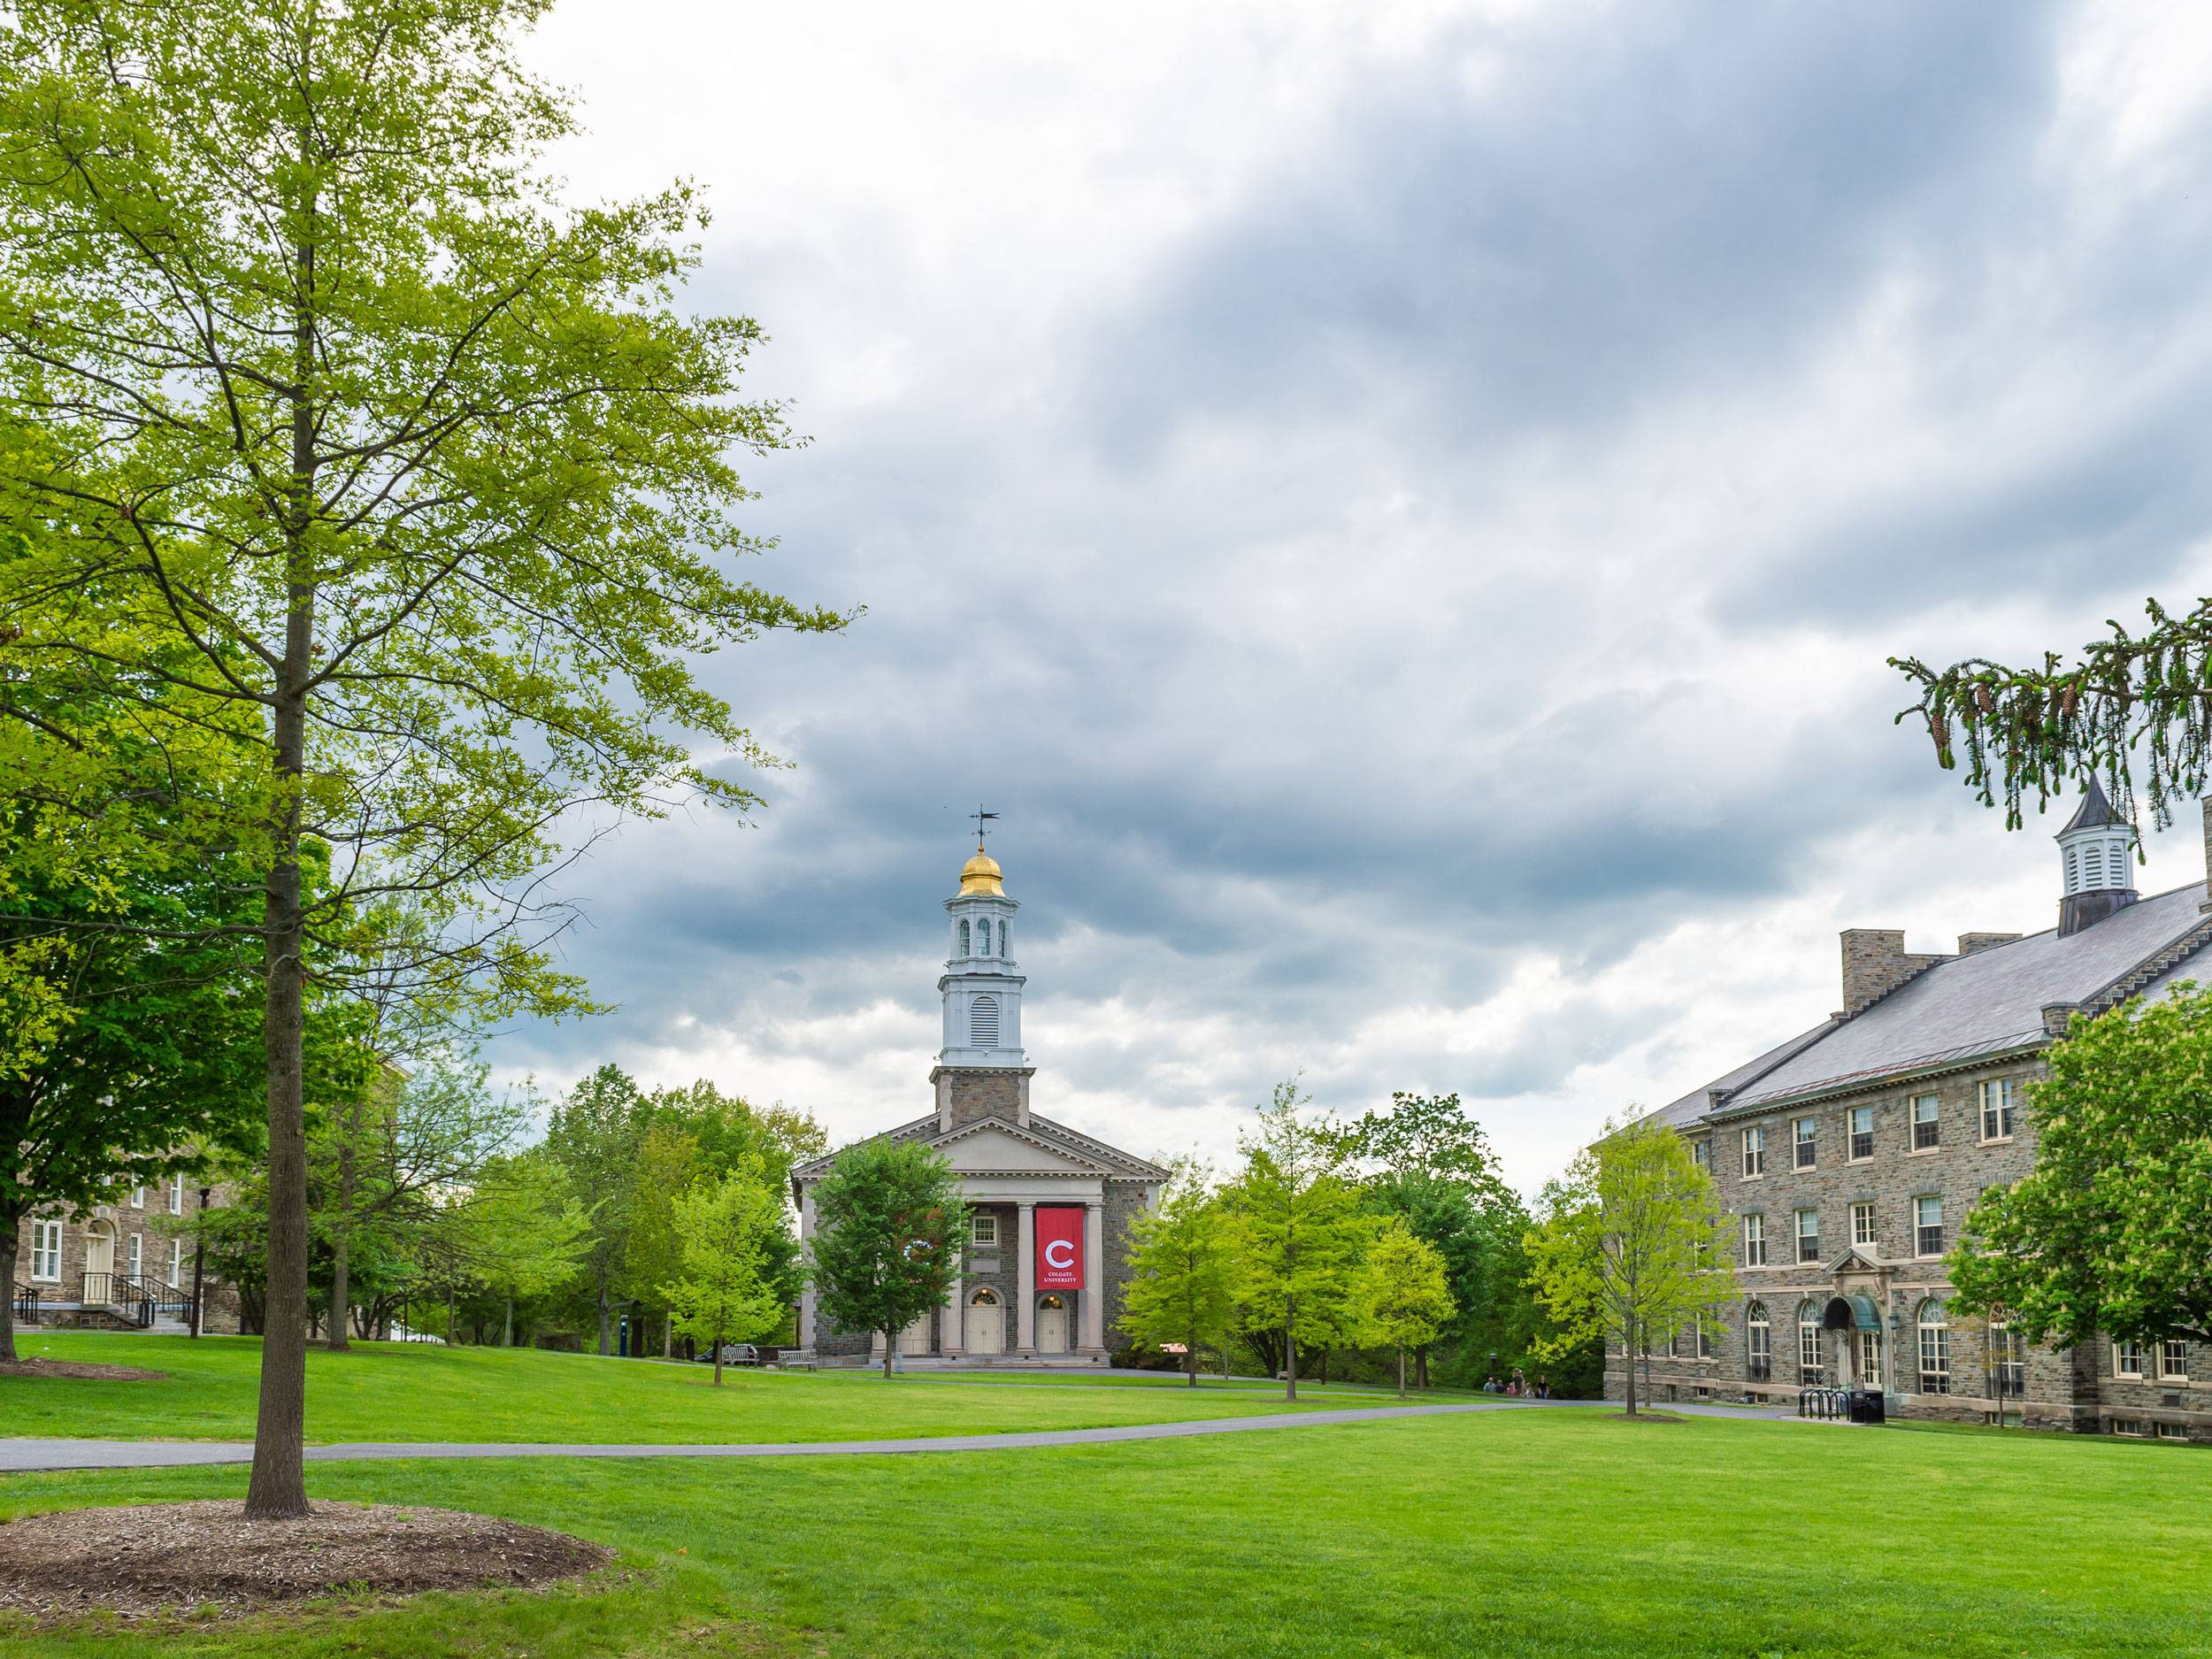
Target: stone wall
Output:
{"points": [[965, 1096]]}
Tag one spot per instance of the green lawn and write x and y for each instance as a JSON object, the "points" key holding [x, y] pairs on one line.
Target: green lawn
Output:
{"points": [[1552, 1534], [422, 1391]]}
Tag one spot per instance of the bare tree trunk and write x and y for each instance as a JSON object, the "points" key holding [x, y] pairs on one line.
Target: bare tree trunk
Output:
{"points": [[1629, 1366], [605, 1347], [1190, 1362], [10, 1243], [507, 1337], [341, 1242], [1290, 1362], [717, 1359], [1401, 1371], [890, 1352]]}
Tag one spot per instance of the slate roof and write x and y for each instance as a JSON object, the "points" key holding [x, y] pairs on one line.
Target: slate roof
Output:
{"points": [[1120, 1165], [1988, 1003]]}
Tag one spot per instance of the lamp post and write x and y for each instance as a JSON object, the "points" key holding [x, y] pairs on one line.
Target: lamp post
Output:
{"points": [[199, 1261]]}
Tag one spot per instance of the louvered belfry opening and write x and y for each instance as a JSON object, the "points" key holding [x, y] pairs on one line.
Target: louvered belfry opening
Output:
{"points": [[983, 1022]]}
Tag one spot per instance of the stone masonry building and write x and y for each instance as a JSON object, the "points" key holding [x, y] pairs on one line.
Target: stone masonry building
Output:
{"points": [[1849, 1156], [1042, 1276], [127, 1265]]}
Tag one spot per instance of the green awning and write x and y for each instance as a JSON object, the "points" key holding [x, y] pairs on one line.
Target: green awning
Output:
{"points": [[1864, 1315]]}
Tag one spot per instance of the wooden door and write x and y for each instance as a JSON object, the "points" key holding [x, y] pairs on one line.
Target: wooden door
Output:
{"points": [[1052, 1325], [986, 1328]]}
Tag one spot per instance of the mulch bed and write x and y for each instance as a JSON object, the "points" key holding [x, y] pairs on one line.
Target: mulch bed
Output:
{"points": [[144, 1559], [78, 1368]]}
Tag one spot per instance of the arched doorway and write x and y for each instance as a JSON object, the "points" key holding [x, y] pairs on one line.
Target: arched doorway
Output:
{"points": [[1052, 1324], [986, 1324]]}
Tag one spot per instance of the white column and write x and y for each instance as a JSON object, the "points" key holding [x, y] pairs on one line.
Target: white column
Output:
{"points": [[950, 1335], [806, 1295], [1026, 1294], [1094, 1275]]}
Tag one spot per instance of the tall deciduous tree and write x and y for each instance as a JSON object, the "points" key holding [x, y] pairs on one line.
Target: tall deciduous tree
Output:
{"points": [[889, 1219], [732, 1231], [2111, 1232], [387, 445], [1301, 1231], [1630, 1244], [523, 1230], [1401, 1292], [594, 1134], [1181, 1259]]}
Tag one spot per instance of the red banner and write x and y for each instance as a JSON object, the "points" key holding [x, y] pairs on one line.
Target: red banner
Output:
{"points": [[1059, 1248]]}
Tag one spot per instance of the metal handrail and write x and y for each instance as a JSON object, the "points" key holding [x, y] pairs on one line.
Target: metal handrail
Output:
{"points": [[120, 1292], [26, 1300]]}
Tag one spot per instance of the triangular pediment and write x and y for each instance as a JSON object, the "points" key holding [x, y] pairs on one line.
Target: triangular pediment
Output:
{"points": [[1860, 1258], [993, 1147]]}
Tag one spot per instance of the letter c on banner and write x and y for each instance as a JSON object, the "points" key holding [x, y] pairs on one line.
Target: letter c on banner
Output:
{"points": [[1060, 1253]]}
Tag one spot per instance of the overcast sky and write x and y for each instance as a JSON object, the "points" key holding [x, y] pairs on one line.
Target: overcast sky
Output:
{"points": [[1403, 509]]}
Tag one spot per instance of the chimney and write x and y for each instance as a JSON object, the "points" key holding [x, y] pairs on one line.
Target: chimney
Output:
{"points": [[1969, 944], [1875, 963]]}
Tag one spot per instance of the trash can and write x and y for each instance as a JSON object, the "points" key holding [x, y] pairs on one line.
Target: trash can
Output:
{"points": [[1866, 1406]]}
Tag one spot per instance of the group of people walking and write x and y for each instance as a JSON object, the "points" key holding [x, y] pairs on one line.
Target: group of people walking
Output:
{"points": [[1519, 1385]]}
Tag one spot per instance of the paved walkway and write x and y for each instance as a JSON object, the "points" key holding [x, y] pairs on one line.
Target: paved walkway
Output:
{"points": [[19, 1457]]}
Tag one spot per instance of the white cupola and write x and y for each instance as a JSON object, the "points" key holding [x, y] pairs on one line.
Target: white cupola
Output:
{"points": [[2096, 854], [982, 993]]}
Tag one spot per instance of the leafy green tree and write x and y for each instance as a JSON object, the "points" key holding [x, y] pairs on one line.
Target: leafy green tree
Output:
{"points": [[525, 1230], [1301, 1231], [731, 1231], [889, 1220], [129, 1040], [1631, 1245], [1401, 1292], [2111, 1232], [1181, 1262], [386, 446], [594, 1133]]}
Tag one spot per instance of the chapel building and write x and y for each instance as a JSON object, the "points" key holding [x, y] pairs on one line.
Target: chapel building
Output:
{"points": [[1849, 1156], [1042, 1276]]}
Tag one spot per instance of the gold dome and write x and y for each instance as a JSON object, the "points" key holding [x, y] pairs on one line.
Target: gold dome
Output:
{"points": [[980, 874]]}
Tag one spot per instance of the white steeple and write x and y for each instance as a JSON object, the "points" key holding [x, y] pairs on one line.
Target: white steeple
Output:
{"points": [[2096, 859], [981, 991]]}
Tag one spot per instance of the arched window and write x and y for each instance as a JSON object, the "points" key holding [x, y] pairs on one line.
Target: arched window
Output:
{"points": [[1758, 1342], [1811, 1370], [983, 1023], [964, 951], [983, 1298], [2008, 1361], [983, 937], [1935, 1350]]}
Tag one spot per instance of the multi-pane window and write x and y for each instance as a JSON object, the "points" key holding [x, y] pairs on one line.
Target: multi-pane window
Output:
{"points": [[138, 1197], [176, 1262], [1704, 1339], [1997, 1106], [1863, 1222], [1807, 1129], [983, 1228], [1862, 1134], [137, 1257], [1754, 1240], [176, 1194], [1808, 1235], [1758, 1343], [1810, 1368], [1700, 1153], [1927, 1127], [1754, 1151], [2173, 1362], [1935, 1350], [1927, 1225], [2007, 1362], [2127, 1359], [45, 1250]]}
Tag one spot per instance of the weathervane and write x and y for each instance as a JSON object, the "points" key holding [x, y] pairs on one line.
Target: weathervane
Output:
{"points": [[981, 818]]}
